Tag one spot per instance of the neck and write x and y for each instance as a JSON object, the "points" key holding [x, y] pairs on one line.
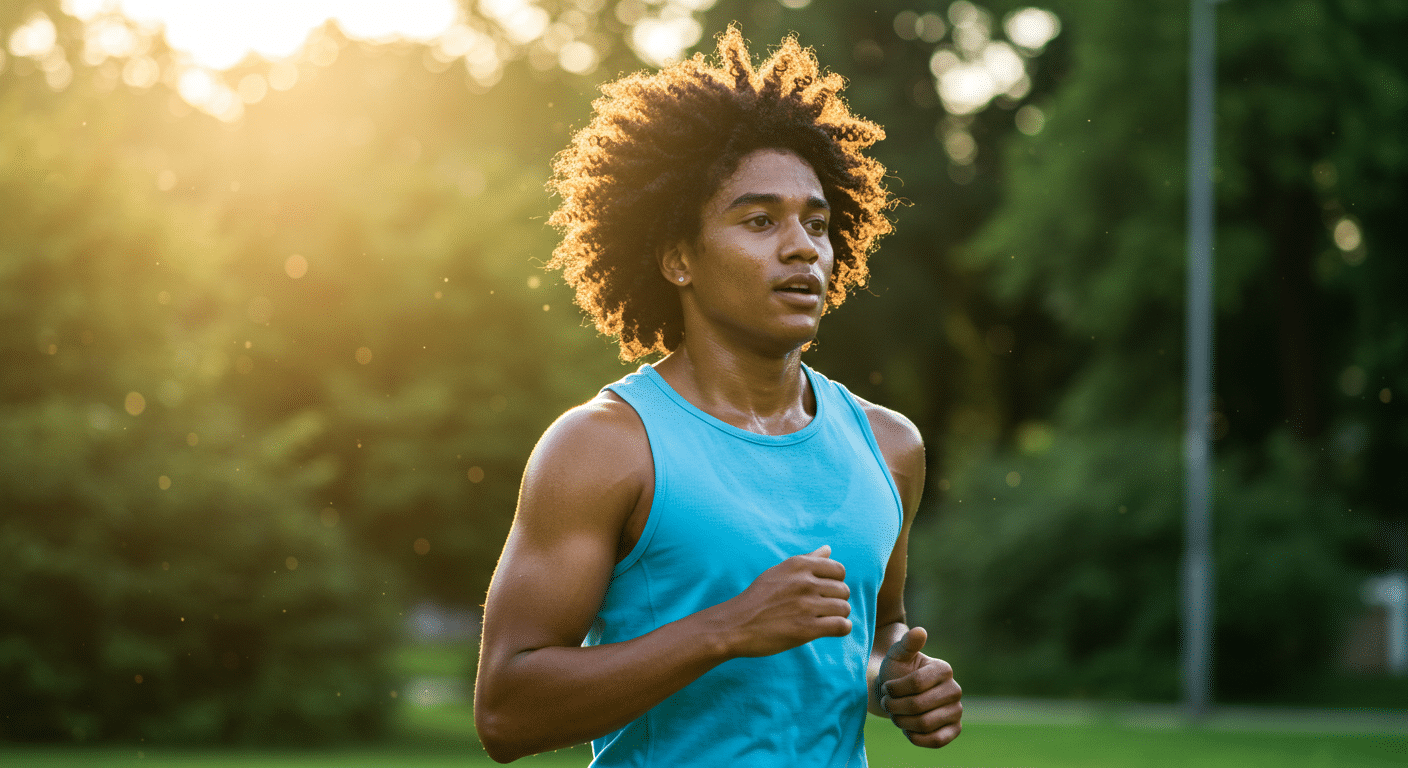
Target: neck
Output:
{"points": [[760, 393]]}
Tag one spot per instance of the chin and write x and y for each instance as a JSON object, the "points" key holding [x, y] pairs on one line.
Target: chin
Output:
{"points": [[793, 339]]}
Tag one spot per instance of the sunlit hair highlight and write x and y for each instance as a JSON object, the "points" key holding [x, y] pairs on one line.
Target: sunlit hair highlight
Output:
{"points": [[659, 144]]}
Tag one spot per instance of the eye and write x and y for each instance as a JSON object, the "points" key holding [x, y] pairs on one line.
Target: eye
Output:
{"points": [[761, 220], [817, 225]]}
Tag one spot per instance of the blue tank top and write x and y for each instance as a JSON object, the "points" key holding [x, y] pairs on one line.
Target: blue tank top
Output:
{"points": [[728, 505]]}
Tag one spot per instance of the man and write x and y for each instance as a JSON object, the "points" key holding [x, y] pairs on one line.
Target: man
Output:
{"points": [[707, 563]]}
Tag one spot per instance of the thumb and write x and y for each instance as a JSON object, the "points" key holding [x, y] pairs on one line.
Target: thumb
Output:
{"points": [[823, 551], [908, 647]]}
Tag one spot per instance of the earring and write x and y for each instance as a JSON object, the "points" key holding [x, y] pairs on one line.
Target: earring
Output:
{"points": [[681, 278]]}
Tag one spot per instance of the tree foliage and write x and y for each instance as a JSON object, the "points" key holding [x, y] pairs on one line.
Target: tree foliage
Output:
{"points": [[267, 381], [1090, 237]]}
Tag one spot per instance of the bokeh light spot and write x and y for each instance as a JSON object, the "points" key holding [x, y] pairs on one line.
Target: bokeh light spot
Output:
{"points": [[476, 475], [329, 516], [930, 27], [1385, 395], [577, 57], [1014, 479], [296, 266], [35, 38], [1347, 235], [291, 563], [253, 88], [421, 546], [192, 439], [283, 75], [1031, 28], [135, 403], [163, 482], [907, 25], [141, 72], [1030, 120], [1035, 438], [364, 355]]}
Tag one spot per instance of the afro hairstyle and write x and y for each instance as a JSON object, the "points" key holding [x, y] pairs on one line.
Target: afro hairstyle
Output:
{"points": [[658, 146]]}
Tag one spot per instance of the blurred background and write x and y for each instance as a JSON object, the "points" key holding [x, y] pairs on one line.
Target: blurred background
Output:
{"points": [[277, 341]]}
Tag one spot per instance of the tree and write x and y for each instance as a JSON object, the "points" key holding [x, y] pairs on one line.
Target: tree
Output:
{"points": [[1090, 234]]}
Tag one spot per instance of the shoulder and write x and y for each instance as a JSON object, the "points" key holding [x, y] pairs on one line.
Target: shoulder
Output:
{"points": [[901, 445], [601, 431], [592, 462], [897, 436]]}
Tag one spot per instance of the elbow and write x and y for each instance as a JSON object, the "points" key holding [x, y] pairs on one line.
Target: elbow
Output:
{"points": [[490, 727]]}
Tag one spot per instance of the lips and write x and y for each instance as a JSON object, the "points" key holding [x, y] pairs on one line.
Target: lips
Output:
{"points": [[800, 292], [803, 284]]}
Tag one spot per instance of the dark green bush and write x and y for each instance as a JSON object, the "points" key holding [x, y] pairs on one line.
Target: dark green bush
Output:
{"points": [[219, 608], [1068, 583]]}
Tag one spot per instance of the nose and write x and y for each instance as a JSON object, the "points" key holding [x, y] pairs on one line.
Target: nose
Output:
{"points": [[798, 244]]}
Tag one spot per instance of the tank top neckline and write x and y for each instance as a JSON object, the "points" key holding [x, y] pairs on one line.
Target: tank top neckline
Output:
{"points": [[790, 438]]}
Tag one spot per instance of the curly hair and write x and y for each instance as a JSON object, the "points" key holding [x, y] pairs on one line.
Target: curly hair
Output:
{"points": [[660, 144]]}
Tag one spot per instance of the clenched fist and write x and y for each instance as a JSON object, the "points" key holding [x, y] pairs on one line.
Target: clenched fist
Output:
{"points": [[794, 602]]}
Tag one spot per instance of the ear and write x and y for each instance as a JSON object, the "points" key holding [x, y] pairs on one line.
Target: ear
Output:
{"points": [[674, 264]]}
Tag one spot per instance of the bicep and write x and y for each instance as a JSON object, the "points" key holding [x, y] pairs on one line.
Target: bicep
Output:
{"points": [[557, 561], [903, 450]]}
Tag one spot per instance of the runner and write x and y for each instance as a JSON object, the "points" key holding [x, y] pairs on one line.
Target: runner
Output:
{"points": [[707, 562]]}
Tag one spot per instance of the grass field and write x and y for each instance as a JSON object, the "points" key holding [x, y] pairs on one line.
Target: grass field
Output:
{"points": [[438, 737], [1037, 736]]}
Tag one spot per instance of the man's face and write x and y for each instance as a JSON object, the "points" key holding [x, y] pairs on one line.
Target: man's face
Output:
{"points": [[759, 270]]}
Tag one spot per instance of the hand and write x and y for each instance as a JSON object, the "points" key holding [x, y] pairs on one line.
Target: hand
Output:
{"points": [[792, 603], [919, 692]]}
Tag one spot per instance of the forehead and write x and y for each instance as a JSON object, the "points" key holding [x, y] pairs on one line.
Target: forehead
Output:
{"points": [[768, 172]]}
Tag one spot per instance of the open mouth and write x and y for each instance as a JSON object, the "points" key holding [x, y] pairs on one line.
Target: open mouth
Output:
{"points": [[800, 285]]}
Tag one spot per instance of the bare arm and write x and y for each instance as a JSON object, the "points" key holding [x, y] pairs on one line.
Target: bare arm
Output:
{"points": [[915, 691], [537, 688]]}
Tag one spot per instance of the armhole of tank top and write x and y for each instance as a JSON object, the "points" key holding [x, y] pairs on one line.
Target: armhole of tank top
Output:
{"points": [[651, 518], [864, 424]]}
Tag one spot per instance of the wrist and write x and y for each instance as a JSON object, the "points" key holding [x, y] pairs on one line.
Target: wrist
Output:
{"points": [[718, 640]]}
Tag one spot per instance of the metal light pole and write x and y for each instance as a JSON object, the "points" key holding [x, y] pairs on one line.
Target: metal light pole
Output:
{"points": [[1197, 443]]}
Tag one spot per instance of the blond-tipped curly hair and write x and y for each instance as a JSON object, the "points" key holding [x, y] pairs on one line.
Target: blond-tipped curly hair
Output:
{"points": [[636, 178]]}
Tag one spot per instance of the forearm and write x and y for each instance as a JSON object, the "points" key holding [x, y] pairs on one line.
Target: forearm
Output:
{"points": [[886, 635], [553, 697]]}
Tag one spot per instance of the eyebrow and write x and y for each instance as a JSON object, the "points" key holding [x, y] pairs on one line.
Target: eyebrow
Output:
{"points": [[751, 198]]}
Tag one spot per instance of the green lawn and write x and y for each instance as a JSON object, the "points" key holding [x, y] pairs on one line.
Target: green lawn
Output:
{"points": [[443, 736], [436, 737]]}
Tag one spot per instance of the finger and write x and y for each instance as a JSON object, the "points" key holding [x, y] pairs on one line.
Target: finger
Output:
{"points": [[830, 606], [944, 694], [823, 551], [907, 648], [930, 722], [828, 569], [931, 672], [926, 720], [936, 739], [833, 588], [833, 626]]}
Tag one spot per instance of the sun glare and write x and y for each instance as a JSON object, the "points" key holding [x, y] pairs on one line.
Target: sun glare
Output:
{"points": [[220, 35], [973, 69]]}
